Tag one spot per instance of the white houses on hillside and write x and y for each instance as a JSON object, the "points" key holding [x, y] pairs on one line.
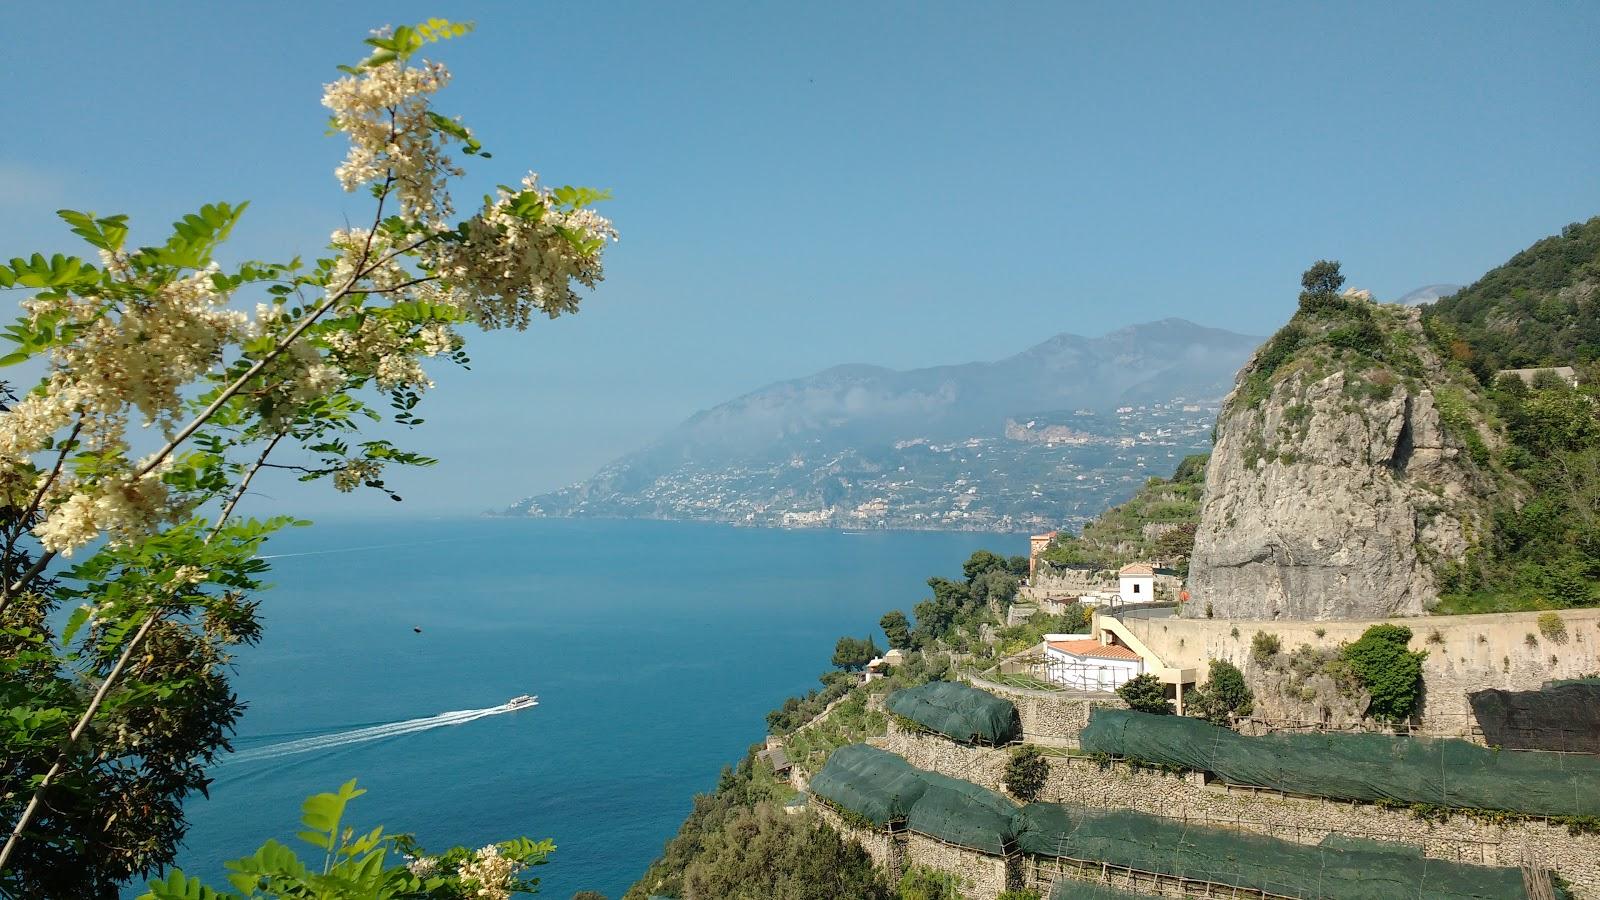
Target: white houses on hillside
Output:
{"points": [[1136, 584], [1086, 663]]}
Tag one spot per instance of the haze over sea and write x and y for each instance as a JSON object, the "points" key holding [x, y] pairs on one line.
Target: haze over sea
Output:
{"points": [[655, 648]]}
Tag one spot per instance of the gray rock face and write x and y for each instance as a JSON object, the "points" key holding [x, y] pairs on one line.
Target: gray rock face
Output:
{"points": [[1324, 505]]}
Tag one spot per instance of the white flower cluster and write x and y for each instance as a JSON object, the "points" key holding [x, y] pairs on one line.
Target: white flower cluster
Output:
{"points": [[145, 356], [425, 867], [356, 473], [139, 356], [487, 875], [512, 266], [384, 110]]}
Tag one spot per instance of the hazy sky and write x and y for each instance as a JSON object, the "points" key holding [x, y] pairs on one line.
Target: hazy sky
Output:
{"points": [[806, 184]]}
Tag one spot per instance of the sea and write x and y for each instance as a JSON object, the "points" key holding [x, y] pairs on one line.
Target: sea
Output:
{"points": [[391, 646]]}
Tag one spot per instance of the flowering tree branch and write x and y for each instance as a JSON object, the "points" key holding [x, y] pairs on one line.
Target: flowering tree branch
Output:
{"points": [[153, 333]]}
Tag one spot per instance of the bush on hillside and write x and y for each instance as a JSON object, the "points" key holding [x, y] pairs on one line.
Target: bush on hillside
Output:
{"points": [[1145, 694], [1391, 673], [1224, 697], [1025, 773], [766, 852]]}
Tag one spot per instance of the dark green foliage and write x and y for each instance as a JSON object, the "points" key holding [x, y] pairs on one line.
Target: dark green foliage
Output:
{"points": [[1025, 773], [1321, 281], [1390, 672], [1224, 697], [896, 629], [768, 853], [981, 561], [1192, 469], [1018, 566], [853, 654], [1523, 313], [588, 895], [1146, 694], [997, 585]]}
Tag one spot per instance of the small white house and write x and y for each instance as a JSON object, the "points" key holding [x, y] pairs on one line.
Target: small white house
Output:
{"points": [[1086, 663], [1136, 584]]}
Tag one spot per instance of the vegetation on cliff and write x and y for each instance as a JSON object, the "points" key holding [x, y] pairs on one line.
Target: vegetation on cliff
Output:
{"points": [[1540, 309], [1157, 523]]}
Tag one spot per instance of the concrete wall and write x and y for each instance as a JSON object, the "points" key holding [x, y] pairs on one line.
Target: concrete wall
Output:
{"points": [[1465, 653]]}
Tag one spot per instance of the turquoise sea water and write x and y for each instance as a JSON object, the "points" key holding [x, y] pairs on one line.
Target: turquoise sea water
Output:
{"points": [[655, 648]]}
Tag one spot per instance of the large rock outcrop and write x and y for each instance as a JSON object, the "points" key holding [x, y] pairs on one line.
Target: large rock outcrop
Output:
{"points": [[1335, 489]]}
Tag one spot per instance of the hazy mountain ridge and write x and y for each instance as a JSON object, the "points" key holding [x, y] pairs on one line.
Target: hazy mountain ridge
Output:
{"points": [[865, 446]]}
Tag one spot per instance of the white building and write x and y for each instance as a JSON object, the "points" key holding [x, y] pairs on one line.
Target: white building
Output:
{"points": [[1084, 662], [1137, 584]]}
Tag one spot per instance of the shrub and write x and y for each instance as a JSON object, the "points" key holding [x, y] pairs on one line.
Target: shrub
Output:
{"points": [[1145, 694], [1391, 673], [1224, 696], [1551, 626], [1025, 773], [1024, 894], [765, 852], [1320, 632], [923, 883], [1264, 646]]}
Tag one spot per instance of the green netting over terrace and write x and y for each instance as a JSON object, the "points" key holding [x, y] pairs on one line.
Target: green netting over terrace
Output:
{"points": [[885, 789], [1233, 858], [958, 711], [877, 786], [1371, 767]]}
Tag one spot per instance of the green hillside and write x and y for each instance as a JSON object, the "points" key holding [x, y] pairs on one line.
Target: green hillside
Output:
{"points": [[1542, 308], [1118, 536]]}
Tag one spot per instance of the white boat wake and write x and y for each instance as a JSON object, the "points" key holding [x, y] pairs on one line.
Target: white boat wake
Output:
{"points": [[368, 734]]}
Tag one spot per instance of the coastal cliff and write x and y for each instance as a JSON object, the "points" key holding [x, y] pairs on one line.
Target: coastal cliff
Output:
{"points": [[1348, 469]]}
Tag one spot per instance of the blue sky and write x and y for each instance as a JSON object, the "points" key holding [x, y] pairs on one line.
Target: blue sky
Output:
{"points": [[803, 185]]}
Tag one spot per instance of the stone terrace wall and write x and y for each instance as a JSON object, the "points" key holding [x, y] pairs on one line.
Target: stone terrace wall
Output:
{"points": [[1082, 781], [1049, 717], [887, 849], [1465, 653], [985, 876]]}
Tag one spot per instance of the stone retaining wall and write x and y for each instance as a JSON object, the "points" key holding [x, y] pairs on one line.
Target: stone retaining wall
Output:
{"points": [[983, 876], [1049, 717], [886, 848]]}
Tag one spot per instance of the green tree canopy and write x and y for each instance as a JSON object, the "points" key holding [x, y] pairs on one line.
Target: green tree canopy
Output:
{"points": [[853, 654], [896, 629], [1145, 693], [1391, 673]]}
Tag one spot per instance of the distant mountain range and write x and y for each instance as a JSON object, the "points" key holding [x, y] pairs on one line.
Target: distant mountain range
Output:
{"points": [[1051, 434]]}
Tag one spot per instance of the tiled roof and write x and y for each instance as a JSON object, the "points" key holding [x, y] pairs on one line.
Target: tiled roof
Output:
{"points": [[1094, 648], [1138, 569]]}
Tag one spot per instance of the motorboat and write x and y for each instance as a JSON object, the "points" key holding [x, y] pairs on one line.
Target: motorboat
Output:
{"points": [[522, 700]]}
